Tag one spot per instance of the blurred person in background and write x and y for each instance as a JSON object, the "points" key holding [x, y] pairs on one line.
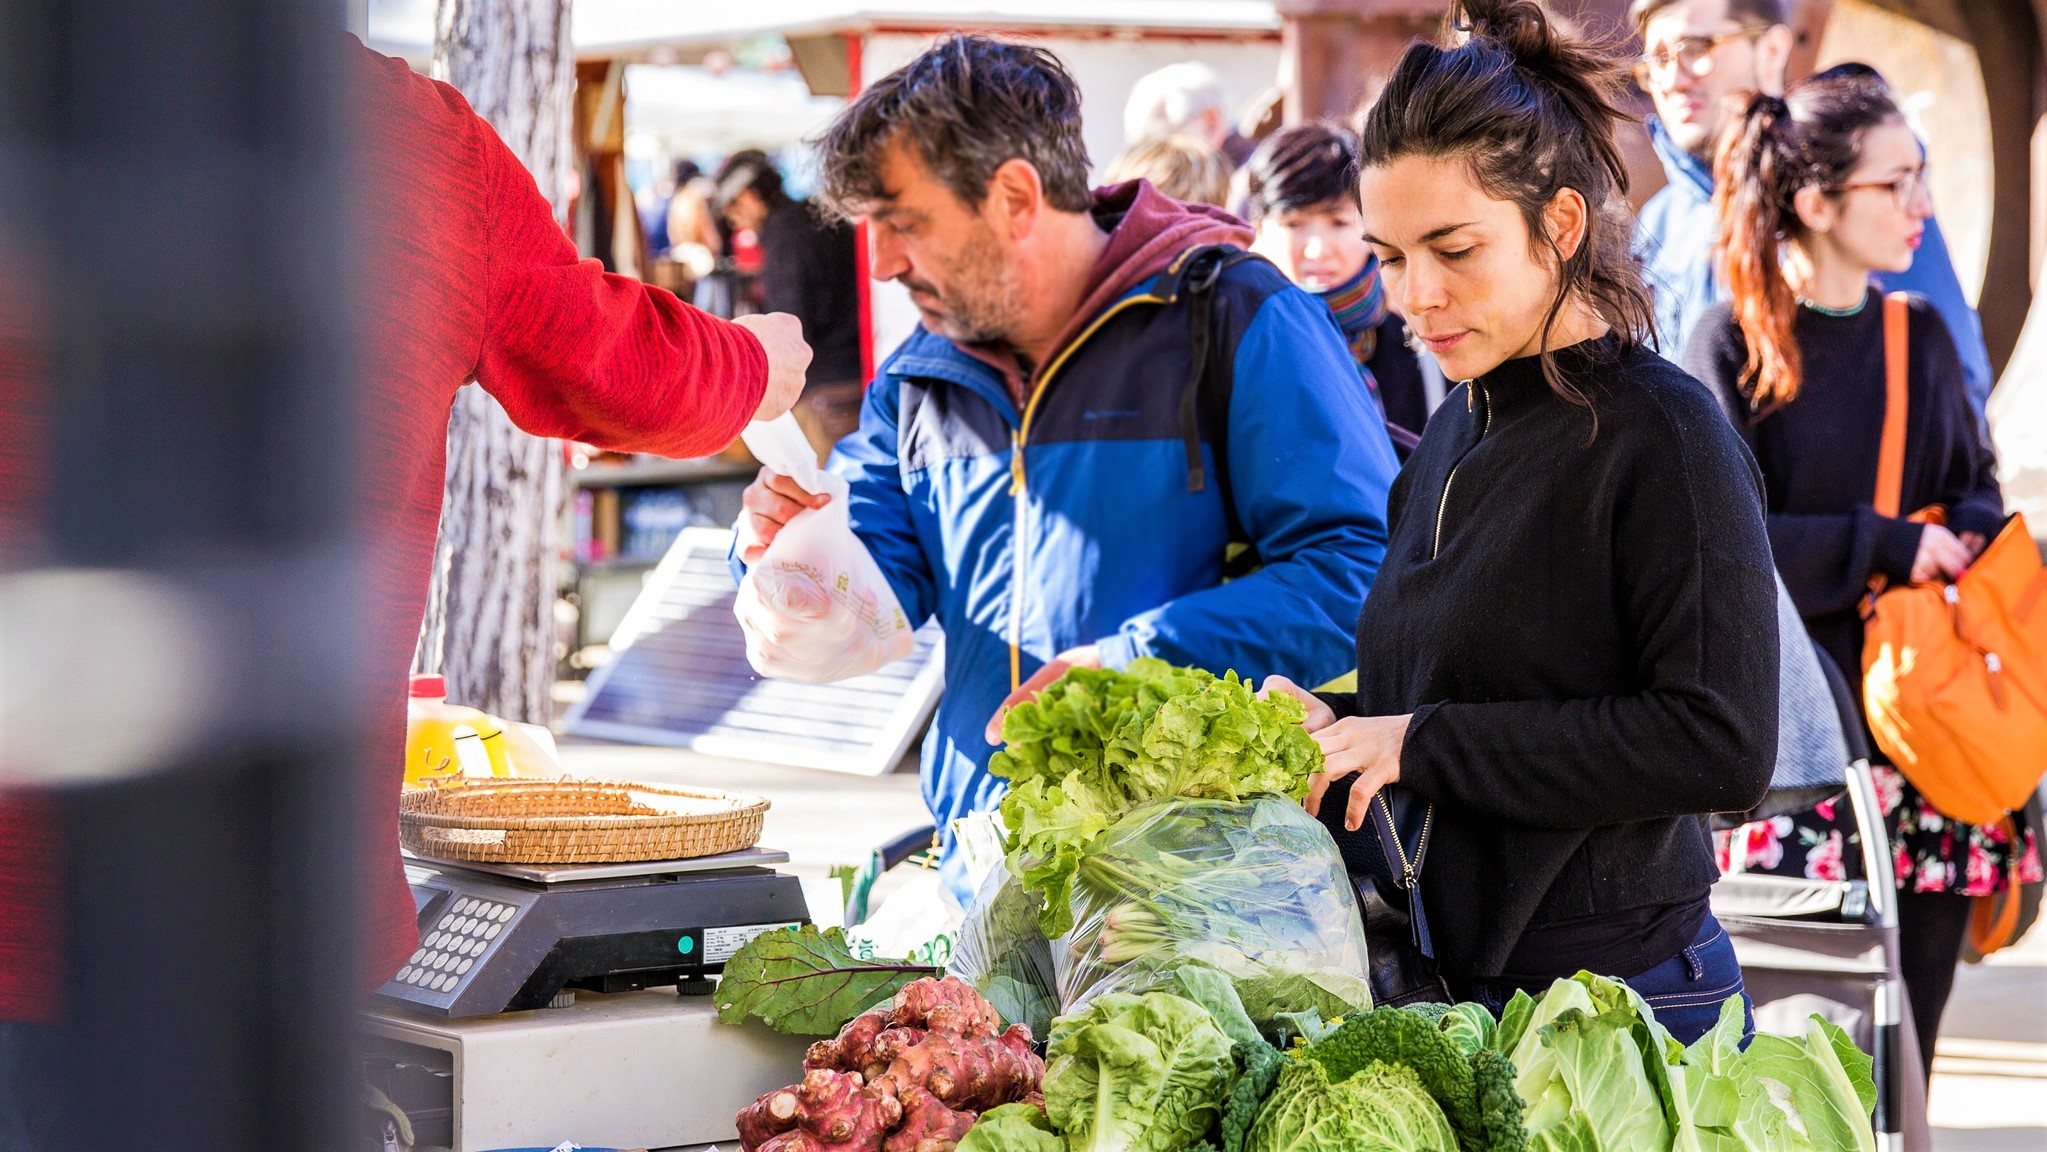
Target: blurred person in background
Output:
{"points": [[1186, 97], [465, 276], [1817, 191], [1302, 197], [808, 269], [654, 215], [1701, 60], [1185, 167], [1031, 468]]}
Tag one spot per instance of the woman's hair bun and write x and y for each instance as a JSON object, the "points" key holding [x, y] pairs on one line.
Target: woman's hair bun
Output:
{"points": [[1518, 27]]}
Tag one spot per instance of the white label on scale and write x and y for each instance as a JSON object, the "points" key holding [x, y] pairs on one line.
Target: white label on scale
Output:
{"points": [[721, 943]]}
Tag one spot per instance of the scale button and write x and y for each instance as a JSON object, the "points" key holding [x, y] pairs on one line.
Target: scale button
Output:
{"points": [[464, 967], [467, 906], [491, 933], [416, 956], [685, 945], [467, 926], [418, 974], [447, 921], [402, 974], [505, 913]]}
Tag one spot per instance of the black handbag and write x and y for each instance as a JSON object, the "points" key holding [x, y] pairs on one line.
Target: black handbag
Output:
{"points": [[1385, 860]]}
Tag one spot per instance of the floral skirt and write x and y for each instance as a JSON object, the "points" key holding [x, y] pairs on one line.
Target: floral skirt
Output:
{"points": [[1931, 853]]}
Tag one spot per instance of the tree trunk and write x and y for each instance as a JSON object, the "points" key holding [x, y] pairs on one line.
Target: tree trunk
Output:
{"points": [[489, 625]]}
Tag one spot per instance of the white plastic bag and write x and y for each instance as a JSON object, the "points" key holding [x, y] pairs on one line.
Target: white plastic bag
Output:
{"points": [[815, 607]]}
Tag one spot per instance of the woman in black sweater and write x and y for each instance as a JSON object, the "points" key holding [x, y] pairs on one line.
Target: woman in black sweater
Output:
{"points": [[1828, 184], [1571, 649]]}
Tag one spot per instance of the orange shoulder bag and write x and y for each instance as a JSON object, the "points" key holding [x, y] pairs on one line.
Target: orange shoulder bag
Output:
{"points": [[1954, 676]]}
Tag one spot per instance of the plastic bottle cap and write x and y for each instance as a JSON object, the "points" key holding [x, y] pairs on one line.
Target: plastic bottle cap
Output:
{"points": [[428, 687]]}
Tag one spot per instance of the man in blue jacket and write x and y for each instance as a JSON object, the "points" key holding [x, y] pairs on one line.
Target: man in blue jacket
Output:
{"points": [[1700, 59], [1035, 466]]}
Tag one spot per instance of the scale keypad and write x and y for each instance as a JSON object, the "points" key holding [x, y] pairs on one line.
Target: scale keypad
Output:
{"points": [[450, 947]]}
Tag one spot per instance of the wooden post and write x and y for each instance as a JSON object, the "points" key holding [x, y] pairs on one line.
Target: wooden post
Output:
{"points": [[1339, 52], [490, 612]]}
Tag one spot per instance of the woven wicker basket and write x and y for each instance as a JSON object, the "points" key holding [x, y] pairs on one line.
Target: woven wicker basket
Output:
{"points": [[576, 822]]}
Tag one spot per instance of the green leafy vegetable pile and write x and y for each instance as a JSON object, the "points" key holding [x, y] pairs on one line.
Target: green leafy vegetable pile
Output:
{"points": [[1597, 1071], [1187, 1071], [1097, 743]]}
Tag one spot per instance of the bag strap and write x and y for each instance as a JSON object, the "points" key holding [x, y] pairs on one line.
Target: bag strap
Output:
{"points": [[1890, 459], [1993, 919], [1205, 398]]}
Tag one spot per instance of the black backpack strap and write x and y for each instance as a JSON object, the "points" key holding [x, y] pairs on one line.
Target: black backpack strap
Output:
{"points": [[1205, 398]]}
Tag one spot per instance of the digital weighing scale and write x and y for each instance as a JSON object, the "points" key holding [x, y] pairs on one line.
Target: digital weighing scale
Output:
{"points": [[510, 937], [538, 1006]]}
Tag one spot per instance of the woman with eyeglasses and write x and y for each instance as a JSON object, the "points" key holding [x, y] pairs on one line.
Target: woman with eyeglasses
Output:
{"points": [[1815, 193]]}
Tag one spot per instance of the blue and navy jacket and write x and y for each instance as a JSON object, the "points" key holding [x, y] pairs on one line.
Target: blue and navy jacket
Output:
{"points": [[1675, 235], [1071, 521]]}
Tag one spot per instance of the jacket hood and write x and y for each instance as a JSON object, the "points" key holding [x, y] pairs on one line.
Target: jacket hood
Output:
{"points": [[1680, 166], [1147, 229]]}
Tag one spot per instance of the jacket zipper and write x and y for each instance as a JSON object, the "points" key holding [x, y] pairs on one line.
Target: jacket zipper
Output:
{"points": [[1018, 481], [1473, 391]]}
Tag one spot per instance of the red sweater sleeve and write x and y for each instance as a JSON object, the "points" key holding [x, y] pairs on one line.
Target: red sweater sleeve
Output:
{"points": [[576, 352]]}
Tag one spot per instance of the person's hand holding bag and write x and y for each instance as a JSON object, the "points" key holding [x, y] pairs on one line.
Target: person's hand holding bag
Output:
{"points": [[813, 604]]}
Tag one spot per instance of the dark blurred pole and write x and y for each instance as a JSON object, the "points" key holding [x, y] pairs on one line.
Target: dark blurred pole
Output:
{"points": [[173, 171]]}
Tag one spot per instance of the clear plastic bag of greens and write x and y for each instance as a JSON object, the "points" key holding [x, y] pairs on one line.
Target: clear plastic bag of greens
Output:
{"points": [[1254, 889], [1001, 952]]}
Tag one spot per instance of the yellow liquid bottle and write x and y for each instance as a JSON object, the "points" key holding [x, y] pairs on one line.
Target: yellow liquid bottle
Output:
{"points": [[442, 740]]}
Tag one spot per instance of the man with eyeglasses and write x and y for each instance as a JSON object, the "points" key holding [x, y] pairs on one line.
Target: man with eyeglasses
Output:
{"points": [[1701, 59]]}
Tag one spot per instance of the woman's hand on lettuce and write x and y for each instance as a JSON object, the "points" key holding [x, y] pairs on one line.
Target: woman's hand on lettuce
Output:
{"points": [[1365, 746], [1319, 714]]}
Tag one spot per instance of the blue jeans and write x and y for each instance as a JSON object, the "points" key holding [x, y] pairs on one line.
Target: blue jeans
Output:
{"points": [[1685, 991]]}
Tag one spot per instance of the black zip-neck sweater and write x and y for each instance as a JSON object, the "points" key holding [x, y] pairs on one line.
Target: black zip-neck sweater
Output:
{"points": [[1585, 630]]}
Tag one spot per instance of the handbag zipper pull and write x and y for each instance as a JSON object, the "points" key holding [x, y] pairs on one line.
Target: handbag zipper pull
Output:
{"points": [[1994, 666]]}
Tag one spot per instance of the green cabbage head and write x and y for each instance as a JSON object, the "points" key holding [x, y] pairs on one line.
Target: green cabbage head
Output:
{"points": [[1137, 1074], [1383, 1108]]}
